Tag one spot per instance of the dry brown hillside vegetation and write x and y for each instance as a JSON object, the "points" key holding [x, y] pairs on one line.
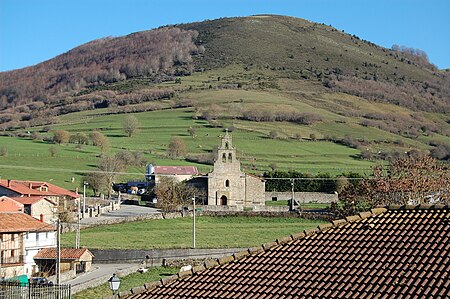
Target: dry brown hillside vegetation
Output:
{"points": [[157, 54]]}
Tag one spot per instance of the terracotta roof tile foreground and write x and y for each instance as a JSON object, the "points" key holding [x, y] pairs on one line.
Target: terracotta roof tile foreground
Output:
{"points": [[389, 253], [65, 253], [20, 222]]}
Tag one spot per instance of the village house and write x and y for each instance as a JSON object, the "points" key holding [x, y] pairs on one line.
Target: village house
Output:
{"points": [[21, 237], [38, 207], [17, 188], [393, 252], [73, 261], [228, 185], [177, 173]]}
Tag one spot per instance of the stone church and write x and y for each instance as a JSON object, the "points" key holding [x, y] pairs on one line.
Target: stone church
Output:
{"points": [[228, 185]]}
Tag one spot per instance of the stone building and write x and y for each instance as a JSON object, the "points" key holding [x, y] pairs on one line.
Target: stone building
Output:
{"points": [[228, 185]]}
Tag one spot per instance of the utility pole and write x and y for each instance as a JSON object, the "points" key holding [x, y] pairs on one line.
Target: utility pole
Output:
{"points": [[77, 236], [58, 252], [292, 189], [1, 238], [84, 198], [193, 222]]}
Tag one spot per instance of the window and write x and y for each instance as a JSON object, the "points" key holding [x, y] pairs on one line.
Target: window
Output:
{"points": [[26, 236], [226, 145], [227, 183], [224, 158], [230, 157]]}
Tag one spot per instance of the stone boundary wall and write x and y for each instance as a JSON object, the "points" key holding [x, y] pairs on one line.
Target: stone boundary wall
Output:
{"points": [[304, 197], [157, 257]]}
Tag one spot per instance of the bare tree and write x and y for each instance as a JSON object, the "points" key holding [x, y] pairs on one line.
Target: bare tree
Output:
{"points": [[177, 148], [53, 151], [172, 195], [408, 180], [109, 167], [130, 125], [96, 182], [192, 132], [3, 151], [100, 140]]}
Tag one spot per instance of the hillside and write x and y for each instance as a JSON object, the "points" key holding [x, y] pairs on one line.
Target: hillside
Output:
{"points": [[273, 79]]}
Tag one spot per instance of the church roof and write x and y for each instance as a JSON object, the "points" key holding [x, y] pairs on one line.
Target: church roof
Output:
{"points": [[176, 170], [398, 252]]}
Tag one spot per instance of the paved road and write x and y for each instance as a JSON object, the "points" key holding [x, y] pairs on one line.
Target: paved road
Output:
{"points": [[99, 274], [124, 212]]}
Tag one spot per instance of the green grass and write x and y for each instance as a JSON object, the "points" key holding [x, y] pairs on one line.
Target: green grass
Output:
{"points": [[28, 159], [212, 232], [127, 282]]}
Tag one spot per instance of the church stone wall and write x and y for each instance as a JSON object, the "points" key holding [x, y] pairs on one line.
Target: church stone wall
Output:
{"points": [[254, 191], [228, 181]]}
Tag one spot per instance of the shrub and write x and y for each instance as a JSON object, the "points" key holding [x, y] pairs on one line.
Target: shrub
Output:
{"points": [[273, 134], [3, 151]]}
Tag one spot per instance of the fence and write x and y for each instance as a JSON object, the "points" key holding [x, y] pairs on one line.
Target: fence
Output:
{"points": [[14, 290]]}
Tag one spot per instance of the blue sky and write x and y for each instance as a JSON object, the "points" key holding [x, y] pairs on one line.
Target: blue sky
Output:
{"points": [[32, 31]]}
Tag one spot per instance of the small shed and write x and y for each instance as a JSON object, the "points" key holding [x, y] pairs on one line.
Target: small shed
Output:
{"points": [[75, 260]]}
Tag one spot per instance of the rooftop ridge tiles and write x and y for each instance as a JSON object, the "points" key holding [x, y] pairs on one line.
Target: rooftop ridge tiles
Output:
{"points": [[122, 294], [284, 240], [352, 218], [169, 279], [325, 226], [138, 289], [269, 245], [415, 207]]}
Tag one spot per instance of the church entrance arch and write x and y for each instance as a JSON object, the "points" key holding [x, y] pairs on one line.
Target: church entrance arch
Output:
{"points": [[223, 200]]}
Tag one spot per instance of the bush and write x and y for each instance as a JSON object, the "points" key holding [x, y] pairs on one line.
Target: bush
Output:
{"points": [[273, 135], [3, 151]]}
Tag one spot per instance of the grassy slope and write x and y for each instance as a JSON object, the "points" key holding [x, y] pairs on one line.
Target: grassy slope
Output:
{"points": [[271, 68], [212, 232], [251, 140]]}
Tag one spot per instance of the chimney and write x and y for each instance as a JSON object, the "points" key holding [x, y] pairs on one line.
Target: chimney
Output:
{"points": [[9, 183], [76, 190], [41, 217]]}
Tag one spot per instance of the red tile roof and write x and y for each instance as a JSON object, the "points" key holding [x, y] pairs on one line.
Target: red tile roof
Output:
{"points": [[32, 188], [7, 204], [65, 253], [395, 253], [178, 170], [20, 222], [31, 200]]}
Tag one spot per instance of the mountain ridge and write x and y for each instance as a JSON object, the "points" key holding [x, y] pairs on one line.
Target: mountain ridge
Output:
{"points": [[269, 53]]}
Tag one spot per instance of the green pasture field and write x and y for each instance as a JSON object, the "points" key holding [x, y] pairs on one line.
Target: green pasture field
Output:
{"points": [[127, 282], [28, 159], [211, 232]]}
